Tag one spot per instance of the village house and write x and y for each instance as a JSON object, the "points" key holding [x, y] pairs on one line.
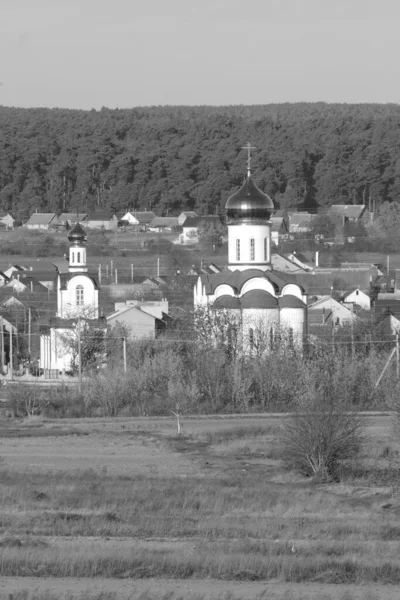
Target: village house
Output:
{"points": [[68, 220], [350, 213], [340, 314], [101, 221], [160, 224], [359, 298], [300, 222], [7, 220], [42, 221], [141, 320], [280, 226], [186, 214]]}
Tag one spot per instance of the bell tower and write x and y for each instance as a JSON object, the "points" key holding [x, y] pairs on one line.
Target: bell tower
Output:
{"points": [[77, 250], [249, 229]]}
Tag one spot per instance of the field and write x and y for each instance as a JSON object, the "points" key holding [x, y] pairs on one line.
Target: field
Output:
{"points": [[126, 509]]}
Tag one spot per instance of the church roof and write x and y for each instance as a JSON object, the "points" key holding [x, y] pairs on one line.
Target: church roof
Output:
{"points": [[66, 277], [249, 198], [227, 301], [290, 301], [77, 234], [259, 299], [237, 278]]}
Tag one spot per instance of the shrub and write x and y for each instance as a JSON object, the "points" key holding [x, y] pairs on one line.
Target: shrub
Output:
{"points": [[321, 433]]}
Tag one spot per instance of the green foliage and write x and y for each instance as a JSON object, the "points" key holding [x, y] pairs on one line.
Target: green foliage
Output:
{"points": [[308, 156]]}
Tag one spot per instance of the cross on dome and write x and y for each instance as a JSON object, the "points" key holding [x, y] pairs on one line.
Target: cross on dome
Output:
{"points": [[249, 148]]}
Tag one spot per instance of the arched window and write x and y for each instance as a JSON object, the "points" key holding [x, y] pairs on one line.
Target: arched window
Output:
{"points": [[79, 257], [265, 249], [252, 249], [251, 338], [237, 249], [79, 295], [72, 257]]}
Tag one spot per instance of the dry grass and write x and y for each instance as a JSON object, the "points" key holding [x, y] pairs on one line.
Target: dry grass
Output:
{"points": [[237, 517]]}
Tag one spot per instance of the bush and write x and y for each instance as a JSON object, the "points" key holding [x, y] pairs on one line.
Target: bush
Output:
{"points": [[321, 433]]}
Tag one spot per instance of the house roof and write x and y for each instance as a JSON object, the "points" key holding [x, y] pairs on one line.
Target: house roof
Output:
{"points": [[301, 219], [351, 211], [189, 213], [100, 216], [37, 265], [191, 222], [41, 218], [72, 217], [276, 223], [6, 214], [164, 222], [144, 217], [387, 306]]}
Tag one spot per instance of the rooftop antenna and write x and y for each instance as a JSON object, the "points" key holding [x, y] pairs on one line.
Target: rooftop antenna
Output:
{"points": [[249, 148]]}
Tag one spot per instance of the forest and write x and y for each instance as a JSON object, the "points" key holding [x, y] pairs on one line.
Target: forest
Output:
{"points": [[168, 159]]}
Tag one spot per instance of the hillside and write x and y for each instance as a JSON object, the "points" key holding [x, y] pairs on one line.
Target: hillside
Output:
{"points": [[172, 158]]}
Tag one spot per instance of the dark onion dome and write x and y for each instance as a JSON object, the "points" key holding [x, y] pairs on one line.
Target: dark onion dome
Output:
{"points": [[259, 299], [290, 301], [77, 235], [249, 203], [226, 301]]}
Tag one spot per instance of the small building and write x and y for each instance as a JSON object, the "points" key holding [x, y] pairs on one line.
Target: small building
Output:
{"points": [[340, 314], [160, 224], [280, 262], [280, 225], [140, 323], [7, 220], [101, 221], [350, 213], [190, 231], [300, 222], [42, 221], [68, 220], [186, 214], [358, 297]]}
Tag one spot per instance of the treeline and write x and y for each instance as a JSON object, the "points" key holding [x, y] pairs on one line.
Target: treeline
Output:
{"points": [[173, 158]]}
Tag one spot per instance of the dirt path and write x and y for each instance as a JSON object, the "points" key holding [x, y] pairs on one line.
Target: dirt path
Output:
{"points": [[209, 589]]}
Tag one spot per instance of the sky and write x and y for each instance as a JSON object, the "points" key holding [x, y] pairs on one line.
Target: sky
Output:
{"points": [[124, 53]]}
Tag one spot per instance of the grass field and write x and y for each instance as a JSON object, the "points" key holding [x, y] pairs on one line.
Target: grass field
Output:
{"points": [[125, 509]]}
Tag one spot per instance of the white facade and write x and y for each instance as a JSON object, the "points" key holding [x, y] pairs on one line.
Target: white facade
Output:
{"points": [[249, 246], [77, 296], [360, 298], [130, 218]]}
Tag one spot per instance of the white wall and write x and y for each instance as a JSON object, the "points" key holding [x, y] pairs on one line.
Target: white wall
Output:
{"points": [[244, 233]]}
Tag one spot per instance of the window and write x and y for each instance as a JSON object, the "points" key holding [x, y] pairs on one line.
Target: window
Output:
{"points": [[251, 338], [79, 295], [265, 249], [252, 249], [237, 249], [79, 257], [72, 256]]}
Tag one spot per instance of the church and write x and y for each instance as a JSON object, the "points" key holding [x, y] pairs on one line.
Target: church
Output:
{"points": [[77, 306], [266, 306]]}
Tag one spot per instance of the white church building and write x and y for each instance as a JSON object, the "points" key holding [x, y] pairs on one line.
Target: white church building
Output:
{"points": [[77, 305], [267, 306]]}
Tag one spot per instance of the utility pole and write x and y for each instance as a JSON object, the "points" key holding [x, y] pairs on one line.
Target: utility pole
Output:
{"points": [[11, 353], [124, 351], [131, 273], [29, 333], [397, 356], [158, 267], [2, 345], [79, 356], [100, 274], [116, 275]]}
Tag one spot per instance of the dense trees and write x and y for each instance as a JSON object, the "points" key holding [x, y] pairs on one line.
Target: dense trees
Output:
{"points": [[174, 158]]}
